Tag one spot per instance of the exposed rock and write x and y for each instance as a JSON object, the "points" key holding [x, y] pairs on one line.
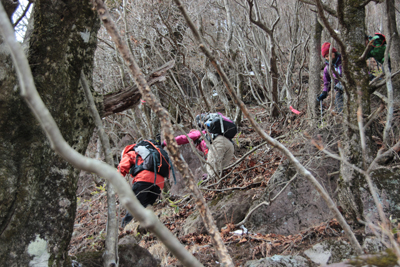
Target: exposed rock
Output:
{"points": [[135, 255], [386, 259], [279, 261], [194, 164], [372, 245], [297, 208], [318, 254], [329, 251], [388, 189], [130, 254], [230, 208]]}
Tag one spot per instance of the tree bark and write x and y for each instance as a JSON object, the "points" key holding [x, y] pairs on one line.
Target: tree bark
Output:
{"points": [[357, 94], [37, 192], [393, 33], [315, 71], [351, 16]]}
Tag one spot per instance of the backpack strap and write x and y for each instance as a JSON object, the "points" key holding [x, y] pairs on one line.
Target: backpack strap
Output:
{"points": [[222, 124], [155, 168], [161, 157], [136, 169], [173, 172]]}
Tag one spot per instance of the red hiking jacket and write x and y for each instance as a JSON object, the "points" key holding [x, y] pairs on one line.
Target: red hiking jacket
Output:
{"points": [[129, 159]]}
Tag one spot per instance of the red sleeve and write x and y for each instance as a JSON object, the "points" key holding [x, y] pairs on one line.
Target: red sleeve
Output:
{"points": [[126, 162]]}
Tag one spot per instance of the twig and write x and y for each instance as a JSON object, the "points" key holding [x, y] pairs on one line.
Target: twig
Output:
{"points": [[373, 116], [366, 51], [384, 98], [376, 83], [230, 188], [245, 155], [333, 173]]}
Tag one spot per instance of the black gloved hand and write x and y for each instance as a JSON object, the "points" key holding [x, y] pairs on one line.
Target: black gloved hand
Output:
{"points": [[322, 96]]}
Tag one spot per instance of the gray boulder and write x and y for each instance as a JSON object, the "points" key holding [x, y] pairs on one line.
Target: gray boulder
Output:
{"points": [[329, 251], [279, 261]]}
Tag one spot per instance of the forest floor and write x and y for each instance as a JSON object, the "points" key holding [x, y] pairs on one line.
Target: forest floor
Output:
{"points": [[91, 217]]}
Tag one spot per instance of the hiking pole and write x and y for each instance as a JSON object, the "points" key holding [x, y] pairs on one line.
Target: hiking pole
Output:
{"points": [[320, 103]]}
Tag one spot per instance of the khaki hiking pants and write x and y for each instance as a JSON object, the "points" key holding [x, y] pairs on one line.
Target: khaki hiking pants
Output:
{"points": [[219, 156]]}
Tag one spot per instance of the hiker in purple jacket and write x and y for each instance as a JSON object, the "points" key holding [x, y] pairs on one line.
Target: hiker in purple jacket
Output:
{"points": [[337, 65]]}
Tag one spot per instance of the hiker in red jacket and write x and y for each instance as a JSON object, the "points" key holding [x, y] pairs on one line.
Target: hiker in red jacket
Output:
{"points": [[144, 187]]}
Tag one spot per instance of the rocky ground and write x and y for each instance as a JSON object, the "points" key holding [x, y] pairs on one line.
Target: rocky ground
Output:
{"points": [[290, 224]]}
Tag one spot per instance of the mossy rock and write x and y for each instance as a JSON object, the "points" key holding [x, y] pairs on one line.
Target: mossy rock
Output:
{"points": [[386, 259], [129, 255]]}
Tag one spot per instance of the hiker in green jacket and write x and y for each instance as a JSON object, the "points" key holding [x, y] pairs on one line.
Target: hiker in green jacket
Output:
{"points": [[377, 44]]}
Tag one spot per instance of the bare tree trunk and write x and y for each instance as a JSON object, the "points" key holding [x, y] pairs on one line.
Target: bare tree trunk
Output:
{"points": [[38, 192], [273, 57], [292, 58], [315, 71], [351, 18], [138, 120], [110, 255], [393, 34], [221, 93], [239, 92]]}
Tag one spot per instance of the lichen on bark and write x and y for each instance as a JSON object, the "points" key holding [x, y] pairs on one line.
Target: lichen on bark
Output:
{"points": [[39, 187]]}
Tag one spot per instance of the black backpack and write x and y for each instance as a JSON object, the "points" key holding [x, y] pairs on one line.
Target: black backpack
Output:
{"points": [[155, 159], [217, 124]]}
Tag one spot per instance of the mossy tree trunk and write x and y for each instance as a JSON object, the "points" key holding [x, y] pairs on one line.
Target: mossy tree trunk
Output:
{"points": [[37, 187], [351, 15], [393, 33], [315, 72]]}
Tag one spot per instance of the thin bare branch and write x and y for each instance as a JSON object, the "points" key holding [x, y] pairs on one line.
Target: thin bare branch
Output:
{"points": [[389, 87], [326, 7], [110, 254]]}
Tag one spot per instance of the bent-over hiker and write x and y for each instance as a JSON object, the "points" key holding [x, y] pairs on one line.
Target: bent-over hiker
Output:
{"points": [[147, 180], [221, 153]]}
